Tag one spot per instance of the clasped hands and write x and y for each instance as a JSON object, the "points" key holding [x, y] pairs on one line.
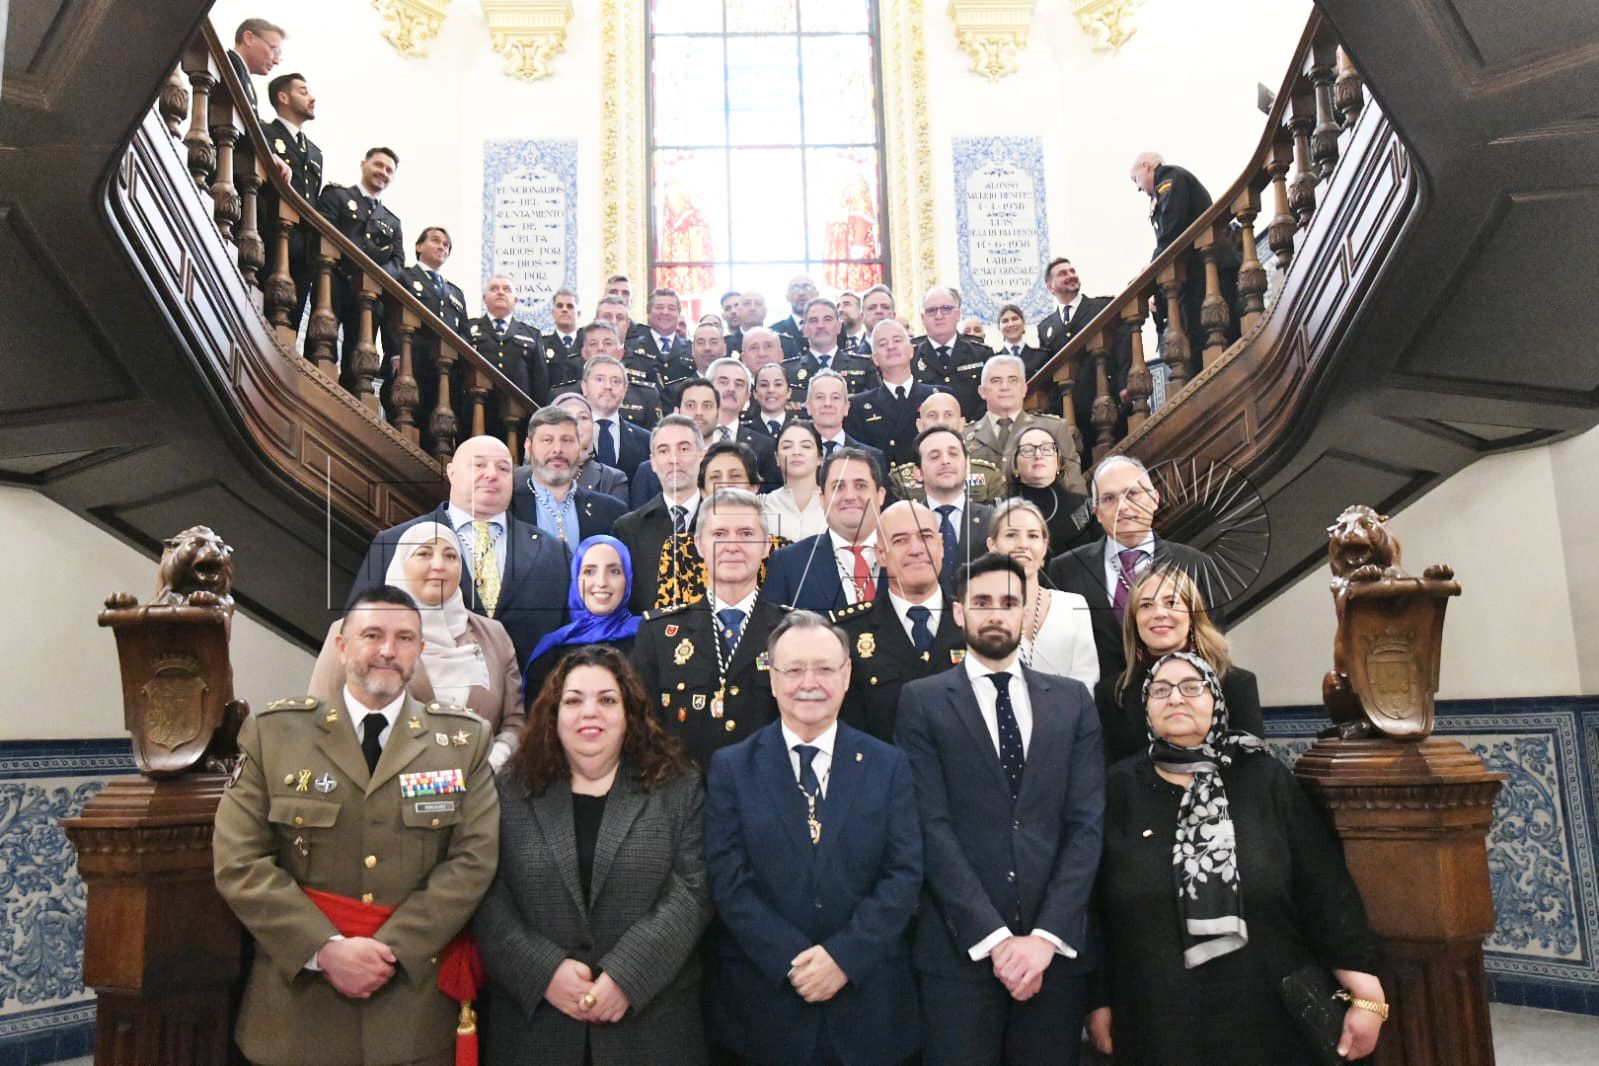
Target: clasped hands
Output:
{"points": [[1020, 962], [815, 976], [576, 993], [356, 966]]}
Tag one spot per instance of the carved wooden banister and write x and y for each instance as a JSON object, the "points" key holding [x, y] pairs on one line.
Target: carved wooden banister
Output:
{"points": [[232, 162], [1297, 148]]}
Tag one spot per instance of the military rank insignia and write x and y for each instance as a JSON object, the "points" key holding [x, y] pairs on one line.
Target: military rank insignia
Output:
{"points": [[763, 661], [684, 652], [432, 783], [279, 147]]}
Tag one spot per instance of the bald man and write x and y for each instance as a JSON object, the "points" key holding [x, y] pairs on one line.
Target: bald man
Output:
{"points": [[510, 570]]}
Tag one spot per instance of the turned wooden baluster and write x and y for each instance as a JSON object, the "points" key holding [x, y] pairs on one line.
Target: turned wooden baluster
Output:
{"points": [[1175, 339], [442, 425], [202, 153], [1214, 314], [278, 296], [512, 416], [1251, 275], [1302, 190], [252, 249], [1324, 139], [224, 196], [1139, 382], [477, 393], [173, 103], [1065, 377], [404, 395], [322, 331], [365, 360], [1103, 413], [1280, 235], [1348, 91]]}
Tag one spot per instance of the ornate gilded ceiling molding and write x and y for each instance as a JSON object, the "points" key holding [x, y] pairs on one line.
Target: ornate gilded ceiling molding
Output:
{"points": [[992, 33], [625, 203], [528, 33], [408, 25], [1108, 22], [907, 144]]}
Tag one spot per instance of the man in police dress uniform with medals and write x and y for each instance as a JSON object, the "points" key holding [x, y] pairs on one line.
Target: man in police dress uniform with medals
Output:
{"points": [[357, 212], [704, 664], [295, 106], [354, 841]]}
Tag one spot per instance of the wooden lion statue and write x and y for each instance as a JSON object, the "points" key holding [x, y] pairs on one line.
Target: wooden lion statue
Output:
{"points": [[1390, 631]]}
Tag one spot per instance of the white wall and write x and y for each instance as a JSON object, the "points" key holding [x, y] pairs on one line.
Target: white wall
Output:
{"points": [[1518, 530], [61, 673]]}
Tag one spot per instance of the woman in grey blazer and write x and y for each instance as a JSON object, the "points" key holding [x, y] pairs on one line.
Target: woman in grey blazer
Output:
{"points": [[589, 931]]}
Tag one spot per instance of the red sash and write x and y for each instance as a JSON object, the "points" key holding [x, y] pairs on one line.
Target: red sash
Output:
{"points": [[460, 965]]}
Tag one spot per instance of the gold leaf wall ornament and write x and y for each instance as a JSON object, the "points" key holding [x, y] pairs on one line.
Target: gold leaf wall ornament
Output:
{"points": [[1108, 22], [408, 25], [992, 33], [528, 33]]}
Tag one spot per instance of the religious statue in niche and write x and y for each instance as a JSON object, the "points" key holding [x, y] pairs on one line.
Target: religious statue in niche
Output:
{"points": [[684, 242], [177, 679], [853, 237], [1390, 632]]}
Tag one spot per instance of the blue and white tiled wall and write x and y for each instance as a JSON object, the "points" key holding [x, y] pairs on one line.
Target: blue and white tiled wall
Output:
{"points": [[1542, 858]]}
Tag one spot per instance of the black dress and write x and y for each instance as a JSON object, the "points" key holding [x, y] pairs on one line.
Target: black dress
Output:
{"points": [[1299, 901], [1124, 723], [1070, 522]]}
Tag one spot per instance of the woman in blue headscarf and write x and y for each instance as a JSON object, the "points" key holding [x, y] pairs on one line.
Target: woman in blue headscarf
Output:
{"points": [[602, 581]]}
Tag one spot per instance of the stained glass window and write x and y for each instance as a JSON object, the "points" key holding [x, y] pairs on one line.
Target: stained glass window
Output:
{"points": [[765, 148]]}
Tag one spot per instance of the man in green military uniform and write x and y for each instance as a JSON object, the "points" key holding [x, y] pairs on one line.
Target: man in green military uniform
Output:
{"points": [[984, 483], [373, 805], [1003, 389]]}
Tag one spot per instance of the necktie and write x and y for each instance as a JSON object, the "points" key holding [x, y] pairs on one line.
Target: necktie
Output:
{"points": [[943, 357], [299, 138], [824, 362], [605, 447], [499, 327], [1004, 431], [485, 568], [372, 727], [679, 519], [808, 779], [732, 620], [774, 425], [1128, 560], [828, 446], [865, 587], [946, 527], [1011, 756], [921, 632], [723, 433], [438, 282], [899, 392], [1016, 350], [664, 344]]}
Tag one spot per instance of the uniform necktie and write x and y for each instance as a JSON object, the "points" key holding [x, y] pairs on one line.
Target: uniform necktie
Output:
{"points": [[865, 587], [943, 356], [1128, 560], [732, 620], [808, 780], [299, 139], [827, 447], [438, 282], [679, 519], [921, 632], [899, 393], [1011, 756], [605, 448], [946, 527], [1016, 350], [1004, 431], [824, 362], [499, 327], [774, 425], [485, 568], [372, 727]]}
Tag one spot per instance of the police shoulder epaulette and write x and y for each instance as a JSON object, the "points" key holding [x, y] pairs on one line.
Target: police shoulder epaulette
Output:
{"points": [[439, 707], [295, 703], [663, 612], [851, 611]]}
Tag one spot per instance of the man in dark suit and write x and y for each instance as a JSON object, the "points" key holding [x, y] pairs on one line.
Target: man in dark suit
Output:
{"points": [[827, 402], [835, 569], [513, 347], [853, 337], [699, 402], [801, 291], [961, 521], [877, 303], [291, 98], [732, 382], [821, 335], [640, 403], [445, 299], [814, 856], [561, 342], [704, 664], [1103, 572], [752, 316], [907, 634], [510, 571], [884, 417], [1010, 782], [770, 411], [675, 451], [944, 358], [257, 47], [1072, 314], [357, 212], [673, 355], [617, 441], [592, 474], [546, 494]]}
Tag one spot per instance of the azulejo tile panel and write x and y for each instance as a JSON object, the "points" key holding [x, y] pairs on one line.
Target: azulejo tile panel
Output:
{"points": [[1542, 843], [44, 1007]]}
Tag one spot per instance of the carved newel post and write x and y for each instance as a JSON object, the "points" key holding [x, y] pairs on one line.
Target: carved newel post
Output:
{"points": [[1412, 810], [163, 951]]}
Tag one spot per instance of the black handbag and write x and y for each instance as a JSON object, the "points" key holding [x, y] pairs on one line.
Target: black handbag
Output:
{"points": [[1312, 998]]}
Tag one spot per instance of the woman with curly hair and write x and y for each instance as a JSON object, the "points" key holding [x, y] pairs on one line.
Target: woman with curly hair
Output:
{"points": [[588, 933]]}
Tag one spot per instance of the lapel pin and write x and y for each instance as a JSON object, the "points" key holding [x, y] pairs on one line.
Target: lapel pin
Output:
{"points": [[415, 724], [304, 783], [441, 739], [461, 738], [325, 783], [859, 756]]}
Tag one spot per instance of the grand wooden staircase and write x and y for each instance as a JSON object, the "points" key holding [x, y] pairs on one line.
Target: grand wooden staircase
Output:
{"points": [[1422, 203]]}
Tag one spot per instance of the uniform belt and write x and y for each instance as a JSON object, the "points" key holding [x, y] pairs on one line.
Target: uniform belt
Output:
{"points": [[460, 965]]}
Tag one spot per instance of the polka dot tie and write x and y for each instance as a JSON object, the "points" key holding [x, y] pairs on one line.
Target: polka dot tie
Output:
{"points": [[1011, 757]]}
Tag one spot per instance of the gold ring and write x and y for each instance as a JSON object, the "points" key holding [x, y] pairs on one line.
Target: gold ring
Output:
{"points": [[588, 1000]]}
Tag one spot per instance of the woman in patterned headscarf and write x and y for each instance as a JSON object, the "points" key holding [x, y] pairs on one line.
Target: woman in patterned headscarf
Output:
{"points": [[1219, 879]]}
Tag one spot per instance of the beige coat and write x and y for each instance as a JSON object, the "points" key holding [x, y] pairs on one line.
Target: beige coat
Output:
{"points": [[500, 705], [303, 811]]}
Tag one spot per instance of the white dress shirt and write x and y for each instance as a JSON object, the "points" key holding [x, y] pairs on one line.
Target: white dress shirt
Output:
{"points": [[1022, 706], [691, 503], [846, 561], [1068, 310], [1113, 562], [822, 762], [461, 521], [902, 606]]}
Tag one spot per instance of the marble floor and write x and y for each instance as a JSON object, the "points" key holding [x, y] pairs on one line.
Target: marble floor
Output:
{"points": [[1523, 1036]]}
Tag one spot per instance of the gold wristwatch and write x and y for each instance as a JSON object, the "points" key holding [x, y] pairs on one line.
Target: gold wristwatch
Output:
{"points": [[1379, 1009]]}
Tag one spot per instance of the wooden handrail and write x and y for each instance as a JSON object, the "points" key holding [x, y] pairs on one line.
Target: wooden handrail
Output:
{"points": [[212, 139]]}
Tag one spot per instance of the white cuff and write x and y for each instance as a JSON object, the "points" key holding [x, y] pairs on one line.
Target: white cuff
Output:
{"points": [[984, 947], [313, 966], [498, 754], [1061, 948]]}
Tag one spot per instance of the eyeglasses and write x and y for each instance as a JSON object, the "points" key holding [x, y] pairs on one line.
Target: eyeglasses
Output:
{"points": [[1029, 451], [941, 309], [791, 674], [1188, 686], [1135, 496]]}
